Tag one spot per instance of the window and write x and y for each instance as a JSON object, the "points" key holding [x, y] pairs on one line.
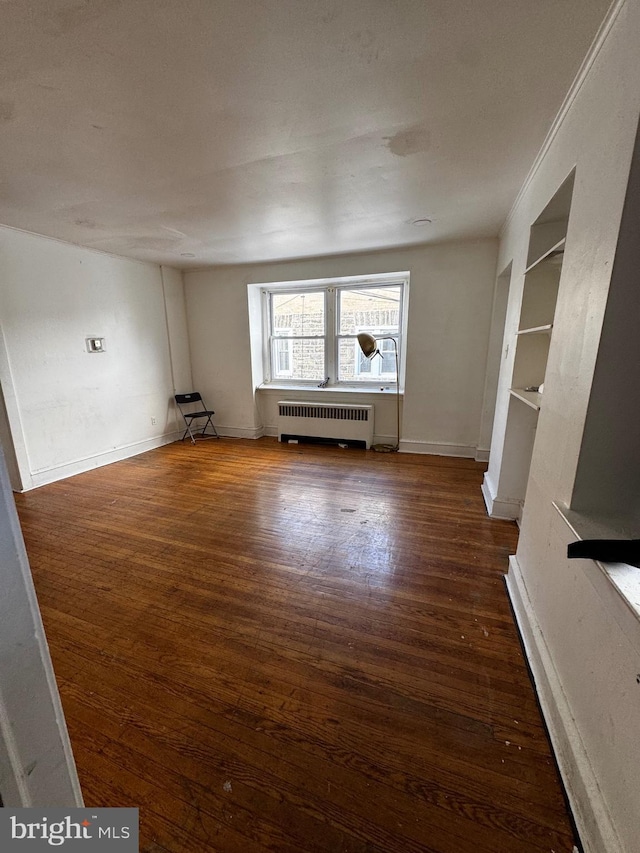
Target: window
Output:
{"points": [[311, 329], [297, 334]]}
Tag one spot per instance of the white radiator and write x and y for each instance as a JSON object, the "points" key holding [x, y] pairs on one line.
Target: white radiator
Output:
{"points": [[325, 421]]}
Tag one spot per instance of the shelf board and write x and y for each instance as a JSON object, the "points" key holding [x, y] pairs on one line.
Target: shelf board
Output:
{"points": [[536, 330], [530, 398], [556, 249]]}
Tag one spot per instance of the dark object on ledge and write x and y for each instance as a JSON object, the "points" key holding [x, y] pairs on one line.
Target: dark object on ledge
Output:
{"points": [[607, 550]]}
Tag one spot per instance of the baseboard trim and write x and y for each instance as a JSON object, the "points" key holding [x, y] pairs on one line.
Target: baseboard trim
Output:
{"points": [[242, 432], [88, 463], [590, 812], [434, 449], [79, 466], [385, 439], [497, 508], [482, 455]]}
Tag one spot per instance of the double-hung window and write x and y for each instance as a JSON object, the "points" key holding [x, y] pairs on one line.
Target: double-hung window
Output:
{"points": [[311, 329]]}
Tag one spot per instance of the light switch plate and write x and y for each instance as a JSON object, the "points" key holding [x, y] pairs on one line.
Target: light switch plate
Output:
{"points": [[95, 344]]}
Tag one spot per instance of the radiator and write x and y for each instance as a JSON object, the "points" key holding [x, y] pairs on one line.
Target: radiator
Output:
{"points": [[325, 421]]}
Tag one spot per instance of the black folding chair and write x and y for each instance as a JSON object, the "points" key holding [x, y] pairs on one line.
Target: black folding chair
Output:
{"points": [[186, 404]]}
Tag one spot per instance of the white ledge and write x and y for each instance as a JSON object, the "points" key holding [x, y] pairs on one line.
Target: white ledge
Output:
{"points": [[387, 391], [624, 579]]}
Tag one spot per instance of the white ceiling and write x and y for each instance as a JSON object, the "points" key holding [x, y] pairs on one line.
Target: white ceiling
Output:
{"points": [[245, 130]]}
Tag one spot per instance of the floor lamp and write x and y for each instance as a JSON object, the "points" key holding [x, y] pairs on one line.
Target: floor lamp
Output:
{"points": [[369, 347]]}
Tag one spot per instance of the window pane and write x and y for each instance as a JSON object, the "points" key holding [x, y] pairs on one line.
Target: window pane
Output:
{"points": [[368, 308], [353, 366], [296, 314], [388, 359], [362, 363], [298, 359], [283, 357]]}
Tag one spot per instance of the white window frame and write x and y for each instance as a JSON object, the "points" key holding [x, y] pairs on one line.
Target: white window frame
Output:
{"points": [[269, 337], [331, 288]]}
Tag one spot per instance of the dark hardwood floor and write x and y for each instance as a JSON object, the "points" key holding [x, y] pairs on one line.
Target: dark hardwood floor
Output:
{"points": [[294, 649]]}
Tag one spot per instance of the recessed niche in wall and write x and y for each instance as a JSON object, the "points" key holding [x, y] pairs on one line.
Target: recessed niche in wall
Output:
{"points": [[607, 484], [533, 337], [522, 422], [549, 231]]}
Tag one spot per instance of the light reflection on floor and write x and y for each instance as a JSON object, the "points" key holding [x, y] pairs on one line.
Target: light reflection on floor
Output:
{"points": [[366, 550]]}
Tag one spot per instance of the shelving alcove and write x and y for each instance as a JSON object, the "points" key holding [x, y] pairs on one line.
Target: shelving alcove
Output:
{"points": [[532, 338]]}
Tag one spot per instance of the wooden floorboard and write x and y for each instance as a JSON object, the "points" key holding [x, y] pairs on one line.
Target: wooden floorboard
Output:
{"points": [[283, 648]]}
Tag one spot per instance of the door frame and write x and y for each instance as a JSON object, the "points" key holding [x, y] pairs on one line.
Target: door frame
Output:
{"points": [[36, 761]]}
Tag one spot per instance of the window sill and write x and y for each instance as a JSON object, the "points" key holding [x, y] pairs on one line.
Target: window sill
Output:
{"points": [[383, 390], [621, 579]]}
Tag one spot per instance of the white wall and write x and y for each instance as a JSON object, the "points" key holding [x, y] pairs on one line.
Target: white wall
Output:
{"points": [[448, 332], [582, 636], [70, 410]]}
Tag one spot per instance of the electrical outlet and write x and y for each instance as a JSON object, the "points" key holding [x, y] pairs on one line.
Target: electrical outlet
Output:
{"points": [[153, 421]]}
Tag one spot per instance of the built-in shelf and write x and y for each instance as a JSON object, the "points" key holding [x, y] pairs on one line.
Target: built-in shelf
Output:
{"points": [[540, 284], [530, 364], [552, 255], [537, 330], [530, 398]]}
